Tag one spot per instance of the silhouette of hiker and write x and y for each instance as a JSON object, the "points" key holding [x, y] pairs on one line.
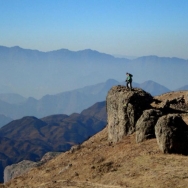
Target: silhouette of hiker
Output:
{"points": [[129, 80]]}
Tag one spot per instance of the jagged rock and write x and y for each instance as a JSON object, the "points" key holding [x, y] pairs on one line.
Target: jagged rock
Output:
{"points": [[164, 104], [124, 107], [172, 134], [49, 155], [74, 148], [145, 126], [178, 101], [14, 170]]}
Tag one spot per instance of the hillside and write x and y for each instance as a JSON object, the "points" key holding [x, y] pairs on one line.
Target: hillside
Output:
{"points": [[100, 163], [125, 164], [29, 138]]}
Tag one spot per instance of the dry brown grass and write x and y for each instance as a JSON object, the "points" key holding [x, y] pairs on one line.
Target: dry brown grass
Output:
{"points": [[173, 94], [100, 164]]}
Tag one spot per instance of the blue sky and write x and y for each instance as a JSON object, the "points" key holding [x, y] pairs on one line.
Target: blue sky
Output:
{"points": [[124, 27]]}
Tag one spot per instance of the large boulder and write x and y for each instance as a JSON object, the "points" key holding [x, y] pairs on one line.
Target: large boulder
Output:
{"points": [[172, 134], [24, 166], [15, 170], [145, 126], [124, 107]]}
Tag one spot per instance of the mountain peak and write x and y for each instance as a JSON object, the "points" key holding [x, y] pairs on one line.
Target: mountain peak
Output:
{"points": [[16, 47]]}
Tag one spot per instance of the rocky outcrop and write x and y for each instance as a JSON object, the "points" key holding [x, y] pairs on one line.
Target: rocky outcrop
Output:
{"points": [[74, 148], [172, 134], [173, 100], [15, 170], [18, 169], [124, 107], [145, 126], [49, 155], [151, 117]]}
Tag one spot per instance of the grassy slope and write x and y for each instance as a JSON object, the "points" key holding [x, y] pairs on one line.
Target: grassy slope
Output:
{"points": [[101, 164]]}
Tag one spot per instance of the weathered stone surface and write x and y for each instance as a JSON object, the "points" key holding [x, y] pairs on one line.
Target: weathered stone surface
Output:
{"points": [[74, 148], [17, 169], [49, 155], [172, 134], [145, 126], [124, 107], [177, 100]]}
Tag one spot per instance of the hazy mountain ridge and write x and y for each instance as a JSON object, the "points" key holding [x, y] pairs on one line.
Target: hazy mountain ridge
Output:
{"points": [[55, 54], [12, 98], [70, 101], [183, 88], [61, 71], [65, 70], [65, 102], [153, 88], [4, 120]]}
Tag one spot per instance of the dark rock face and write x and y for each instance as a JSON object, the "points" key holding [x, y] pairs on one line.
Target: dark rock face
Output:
{"points": [[145, 126], [124, 107], [172, 134]]}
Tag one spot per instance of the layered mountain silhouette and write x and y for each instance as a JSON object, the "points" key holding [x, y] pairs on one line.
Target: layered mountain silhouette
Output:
{"points": [[15, 106], [183, 88], [152, 87], [30, 138], [4, 120], [12, 98], [35, 73]]}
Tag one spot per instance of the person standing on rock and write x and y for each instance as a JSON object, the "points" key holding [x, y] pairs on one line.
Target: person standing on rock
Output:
{"points": [[129, 80]]}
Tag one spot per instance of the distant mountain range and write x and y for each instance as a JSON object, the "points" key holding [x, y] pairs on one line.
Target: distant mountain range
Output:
{"points": [[12, 98], [35, 73], [14, 106], [152, 87], [4, 120], [182, 88], [30, 138]]}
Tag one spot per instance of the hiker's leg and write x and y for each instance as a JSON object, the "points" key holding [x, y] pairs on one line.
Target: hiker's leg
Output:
{"points": [[127, 84], [131, 85]]}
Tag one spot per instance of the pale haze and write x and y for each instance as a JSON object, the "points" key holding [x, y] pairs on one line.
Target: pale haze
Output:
{"points": [[70, 43], [123, 27]]}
